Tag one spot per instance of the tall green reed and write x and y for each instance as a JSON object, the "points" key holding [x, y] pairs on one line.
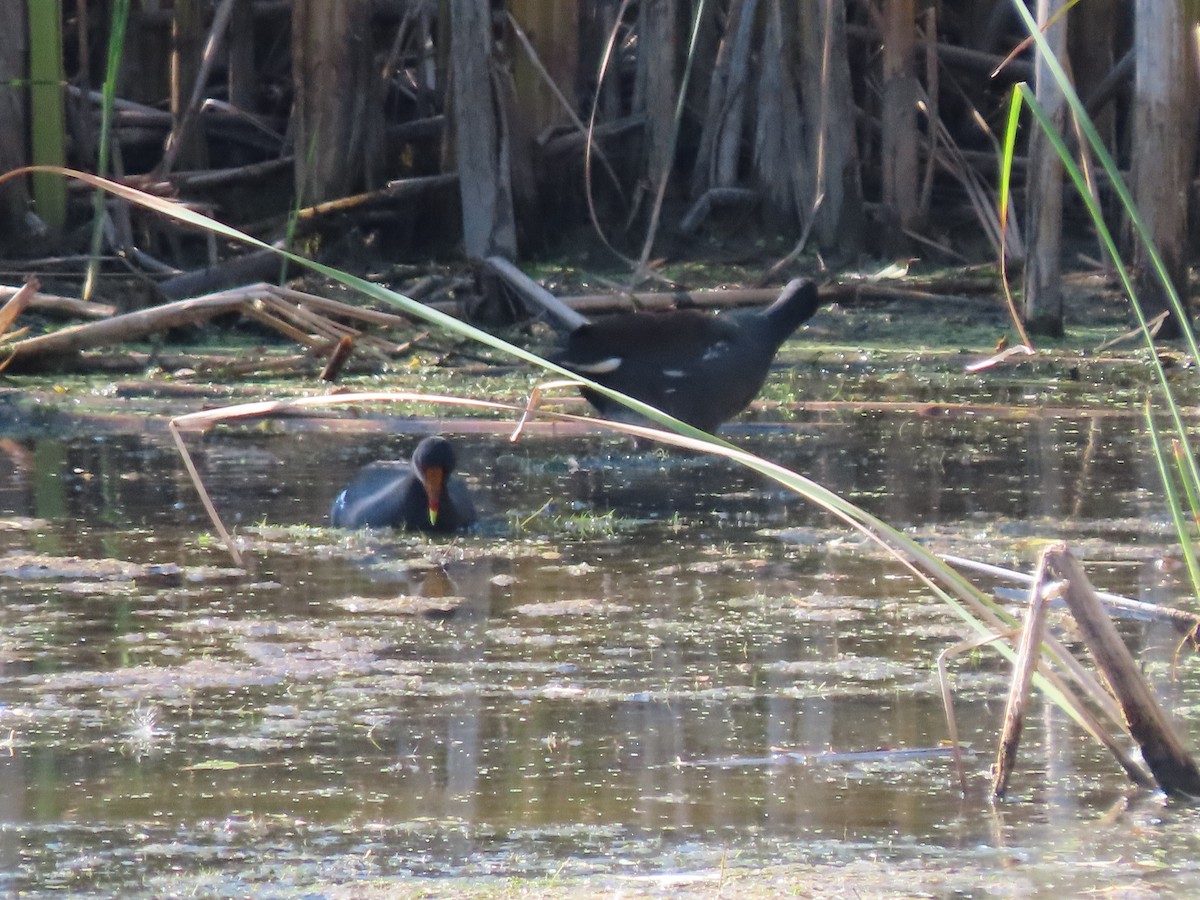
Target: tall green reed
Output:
{"points": [[1181, 481]]}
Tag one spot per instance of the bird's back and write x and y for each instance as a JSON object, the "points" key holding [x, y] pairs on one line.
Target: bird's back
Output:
{"points": [[701, 368], [376, 498]]}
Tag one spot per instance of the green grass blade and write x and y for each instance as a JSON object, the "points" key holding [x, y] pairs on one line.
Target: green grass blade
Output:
{"points": [[1174, 507], [1006, 163], [112, 71]]}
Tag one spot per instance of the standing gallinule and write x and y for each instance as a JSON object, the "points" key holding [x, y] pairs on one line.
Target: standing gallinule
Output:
{"points": [[702, 369], [418, 495]]}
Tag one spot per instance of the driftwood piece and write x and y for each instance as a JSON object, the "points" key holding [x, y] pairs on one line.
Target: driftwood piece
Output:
{"points": [[1169, 761], [1028, 653], [64, 306], [530, 290]]}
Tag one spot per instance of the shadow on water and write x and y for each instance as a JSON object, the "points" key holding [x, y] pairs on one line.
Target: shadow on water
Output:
{"points": [[529, 700]]}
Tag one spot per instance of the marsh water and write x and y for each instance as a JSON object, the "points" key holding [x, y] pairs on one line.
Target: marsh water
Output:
{"points": [[643, 673]]}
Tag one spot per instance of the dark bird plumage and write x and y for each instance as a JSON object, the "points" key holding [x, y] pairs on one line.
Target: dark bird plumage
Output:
{"points": [[703, 369], [418, 495]]}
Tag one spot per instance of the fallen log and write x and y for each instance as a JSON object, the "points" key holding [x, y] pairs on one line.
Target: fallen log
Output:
{"points": [[259, 265]]}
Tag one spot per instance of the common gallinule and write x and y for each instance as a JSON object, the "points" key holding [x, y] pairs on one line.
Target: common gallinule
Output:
{"points": [[703, 369], [418, 495]]}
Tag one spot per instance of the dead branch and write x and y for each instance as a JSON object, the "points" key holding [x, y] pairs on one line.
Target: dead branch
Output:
{"points": [[338, 308], [187, 115], [568, 311], [963, 57], [64, 306], [210, 178], [338, 359], [402, 189], [17, 303]]}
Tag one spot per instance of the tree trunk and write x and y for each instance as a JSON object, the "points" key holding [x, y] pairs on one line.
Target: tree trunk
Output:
{"points": [[243, 87], [14, 120], [144, 75], [830, 114], [553, 30], [658, 58], [780, 162], [900, 164], [595, 26], [1094, 32], [724, 122], [482, 145], [187, 51], [1043, 304], [337, 114], [533, 107], [1164, 133]]}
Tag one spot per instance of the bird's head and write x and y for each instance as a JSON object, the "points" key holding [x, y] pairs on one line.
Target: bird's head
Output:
{"points": [[433, 461]]}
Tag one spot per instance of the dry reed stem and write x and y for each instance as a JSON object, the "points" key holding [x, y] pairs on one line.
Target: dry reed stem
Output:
{"points": [[1028, 653]]}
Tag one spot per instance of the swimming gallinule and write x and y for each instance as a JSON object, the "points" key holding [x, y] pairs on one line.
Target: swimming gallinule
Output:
{"points": [[418, 495], [703, 369]]}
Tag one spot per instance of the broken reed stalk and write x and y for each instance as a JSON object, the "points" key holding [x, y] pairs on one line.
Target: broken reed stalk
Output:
{"points": [[1081, 676], [338, 359], [17, 303], [948, 698], [130, 326], [1165, 754], [297, 316], [1028, 654]]}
